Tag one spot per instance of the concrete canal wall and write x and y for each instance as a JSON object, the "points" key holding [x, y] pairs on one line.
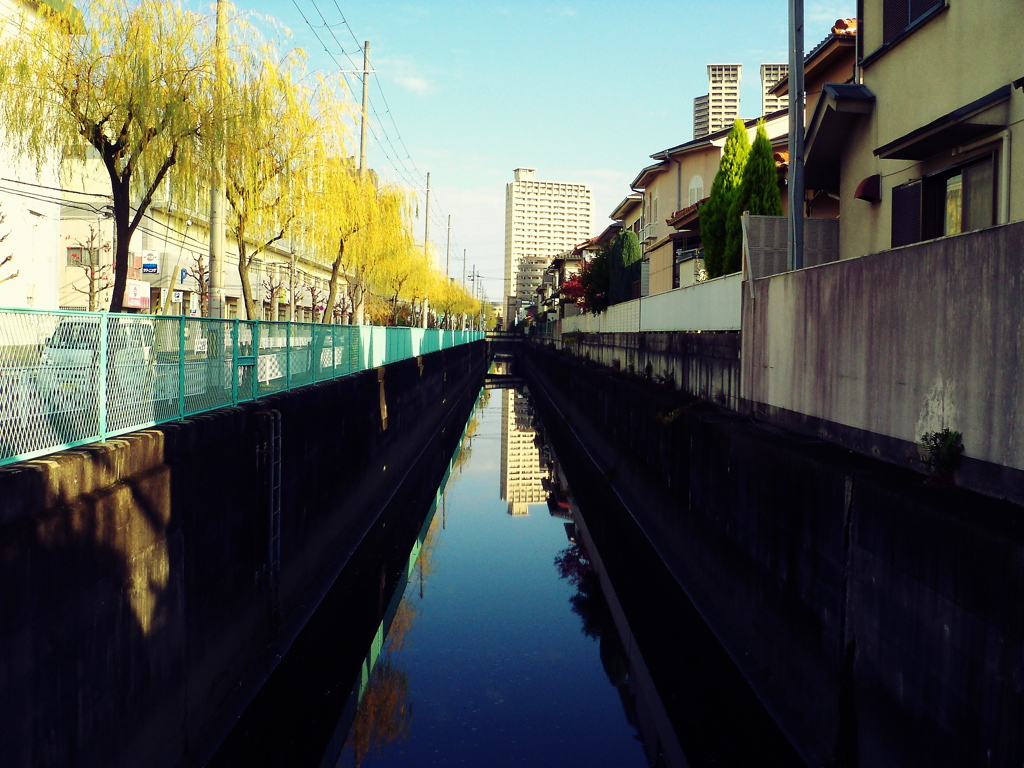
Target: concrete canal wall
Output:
{"points": [[705, 365], [148, 582], [876, 617]]}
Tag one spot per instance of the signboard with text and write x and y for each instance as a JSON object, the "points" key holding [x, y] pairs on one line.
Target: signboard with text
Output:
{"points": [[136, 294]]}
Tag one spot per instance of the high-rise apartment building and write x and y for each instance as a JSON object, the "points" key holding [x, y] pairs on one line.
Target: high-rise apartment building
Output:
{"points": [[722, 101], [701, 126], [542, 218], [771, 74]]}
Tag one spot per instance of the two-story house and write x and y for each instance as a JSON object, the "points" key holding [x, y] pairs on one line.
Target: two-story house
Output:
{"points": [[922, 144], [673, 188]]}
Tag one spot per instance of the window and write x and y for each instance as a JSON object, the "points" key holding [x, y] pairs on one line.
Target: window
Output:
{"points": [[79, 256], [955, 200], [696, 190], [899, 15]]}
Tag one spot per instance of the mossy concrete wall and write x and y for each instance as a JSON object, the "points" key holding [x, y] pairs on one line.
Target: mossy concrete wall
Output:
{"points": [[705, 365], [140, 607]]}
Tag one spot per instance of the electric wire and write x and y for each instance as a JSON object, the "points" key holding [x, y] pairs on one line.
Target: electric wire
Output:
{"points": [[399, 151]]}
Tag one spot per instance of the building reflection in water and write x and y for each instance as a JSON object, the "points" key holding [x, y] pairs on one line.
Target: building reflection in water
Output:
{"points": [[524, 466], [681, 696]]}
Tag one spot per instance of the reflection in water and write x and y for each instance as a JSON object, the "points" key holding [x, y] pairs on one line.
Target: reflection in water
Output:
{"points": [[486, 664], [526, 650], [589, 603], [384, 712], [522, 471]]}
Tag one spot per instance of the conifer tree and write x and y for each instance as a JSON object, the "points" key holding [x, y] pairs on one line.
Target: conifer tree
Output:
{"points": [[624, 253], [714, 212], [758, 194]]}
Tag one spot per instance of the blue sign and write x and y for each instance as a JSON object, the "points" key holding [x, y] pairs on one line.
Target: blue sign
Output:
{"points": [[184, 274], [151, 269]]}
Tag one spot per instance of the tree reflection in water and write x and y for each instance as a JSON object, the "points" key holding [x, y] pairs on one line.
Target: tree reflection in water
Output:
{"points": [[574, 565], [384, 715]]}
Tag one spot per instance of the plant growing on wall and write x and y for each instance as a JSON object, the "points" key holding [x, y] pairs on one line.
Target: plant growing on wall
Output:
{"points": [[942, 451], [758, 193], [714, 212]]}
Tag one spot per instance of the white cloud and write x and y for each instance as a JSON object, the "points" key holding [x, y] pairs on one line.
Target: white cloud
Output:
{"points": [[414, 84]]}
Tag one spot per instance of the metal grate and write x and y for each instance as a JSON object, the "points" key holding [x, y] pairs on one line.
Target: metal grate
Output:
{"points": [[71, 378]]}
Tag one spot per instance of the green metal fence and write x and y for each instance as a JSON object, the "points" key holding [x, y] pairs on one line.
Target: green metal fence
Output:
{"points": [[71, 378]]}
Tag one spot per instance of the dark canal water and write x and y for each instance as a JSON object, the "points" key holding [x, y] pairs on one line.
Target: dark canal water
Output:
{"points": [[517, 630]]}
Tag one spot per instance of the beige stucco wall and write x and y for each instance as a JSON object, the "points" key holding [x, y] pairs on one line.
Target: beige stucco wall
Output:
{"points": [[661, 267], [966, 52], [838, 71]]}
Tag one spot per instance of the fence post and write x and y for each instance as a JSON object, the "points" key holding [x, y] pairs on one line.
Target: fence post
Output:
{"points": [[288, 356], [103, 366], [234, 362], [256, 359], [181, 367]]}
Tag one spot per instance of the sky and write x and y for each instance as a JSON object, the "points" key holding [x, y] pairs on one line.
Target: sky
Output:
{"points": [[583, 91]]}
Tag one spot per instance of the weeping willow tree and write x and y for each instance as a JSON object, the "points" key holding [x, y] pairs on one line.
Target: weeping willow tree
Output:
{"points": [[452, 300], [404, 278], [270, 124], [127, 79], [379, 250], [356, 228]]}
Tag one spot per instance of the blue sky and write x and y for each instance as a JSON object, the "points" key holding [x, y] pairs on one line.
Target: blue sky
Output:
{"points": [[583, 91]]}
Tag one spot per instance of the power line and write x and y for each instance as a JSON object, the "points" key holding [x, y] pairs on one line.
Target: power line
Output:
{"points": [[392, 147]]}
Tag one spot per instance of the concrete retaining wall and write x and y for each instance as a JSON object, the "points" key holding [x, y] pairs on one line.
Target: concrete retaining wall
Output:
{"points": [[874, 352], [706, 365], [876, 617], [709, 306], [138, 598]]}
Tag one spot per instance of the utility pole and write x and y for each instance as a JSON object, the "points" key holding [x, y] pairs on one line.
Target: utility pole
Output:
{"points": [[448, 251], [426, 220], [217, 183], [463, 267], [796, 134], [366, 102]]}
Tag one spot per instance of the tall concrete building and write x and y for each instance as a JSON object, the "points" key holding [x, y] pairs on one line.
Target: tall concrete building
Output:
{"points": [[771, 74], [542, 218], [701, 117], [722, 103]]}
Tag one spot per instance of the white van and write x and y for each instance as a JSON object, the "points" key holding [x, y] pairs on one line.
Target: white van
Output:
{"points": [[70, 365]]}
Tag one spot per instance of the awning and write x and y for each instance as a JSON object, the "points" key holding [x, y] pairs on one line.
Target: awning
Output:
{"points": [[961, 126], [682, 219], [839, 108]]}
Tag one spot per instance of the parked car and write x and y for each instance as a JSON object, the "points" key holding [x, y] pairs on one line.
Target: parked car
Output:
{"points": [[70, 366]]}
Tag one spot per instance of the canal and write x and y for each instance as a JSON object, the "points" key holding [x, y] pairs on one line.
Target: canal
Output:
{"points": [[511, 627]]}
